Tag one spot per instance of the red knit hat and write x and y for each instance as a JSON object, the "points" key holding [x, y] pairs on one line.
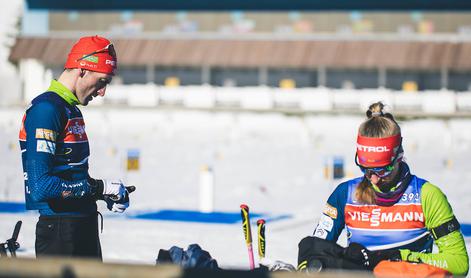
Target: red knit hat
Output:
{"points": [[93, 53]]}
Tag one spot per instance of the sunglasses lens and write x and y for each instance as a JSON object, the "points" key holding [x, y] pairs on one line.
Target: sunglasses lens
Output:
{"points": [[111, 51], [104, 81], [380, 171]]}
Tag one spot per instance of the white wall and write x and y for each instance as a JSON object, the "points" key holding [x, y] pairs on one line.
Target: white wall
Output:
{"points": [[36, 79], [301, 100]]}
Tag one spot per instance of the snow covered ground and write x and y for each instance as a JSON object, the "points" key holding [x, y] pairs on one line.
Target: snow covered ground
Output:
{"points": [[272, 162]]}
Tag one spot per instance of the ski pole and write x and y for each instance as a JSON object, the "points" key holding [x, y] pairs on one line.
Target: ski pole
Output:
{"points": [[244, 211], [12, 242], [261, 238]]}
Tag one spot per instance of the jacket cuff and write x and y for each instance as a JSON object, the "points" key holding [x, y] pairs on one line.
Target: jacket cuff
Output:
{"points": [[96, 187]]}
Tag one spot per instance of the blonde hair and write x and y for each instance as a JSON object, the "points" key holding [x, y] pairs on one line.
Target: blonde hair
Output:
{"points": [[377, 125]]}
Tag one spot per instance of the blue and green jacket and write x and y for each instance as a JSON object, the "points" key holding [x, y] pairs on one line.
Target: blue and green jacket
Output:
{"points": [[54, 152], [404, 226]]}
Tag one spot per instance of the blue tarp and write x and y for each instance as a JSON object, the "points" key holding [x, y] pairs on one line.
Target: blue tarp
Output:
{"points": [[11, 207], [202, 217]]}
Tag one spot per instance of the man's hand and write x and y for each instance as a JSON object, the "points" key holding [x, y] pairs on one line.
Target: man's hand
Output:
{"points": [[358, 253], [114, 189], [116, 207], [113, 192], [119, 205]]}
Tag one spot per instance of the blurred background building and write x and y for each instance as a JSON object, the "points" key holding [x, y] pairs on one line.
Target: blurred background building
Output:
{"points": [[402, 49], [301, 58]]}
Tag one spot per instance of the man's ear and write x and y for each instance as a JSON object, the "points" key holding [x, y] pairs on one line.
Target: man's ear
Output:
{"points": [[82, 72]]}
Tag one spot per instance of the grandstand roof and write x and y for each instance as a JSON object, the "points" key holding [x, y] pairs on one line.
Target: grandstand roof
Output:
{"points": [[276, 53], [271, 5]]}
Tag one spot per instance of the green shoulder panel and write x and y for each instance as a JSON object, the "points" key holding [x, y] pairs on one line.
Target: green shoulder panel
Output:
{"points": [[435, 205], [452, 254]]}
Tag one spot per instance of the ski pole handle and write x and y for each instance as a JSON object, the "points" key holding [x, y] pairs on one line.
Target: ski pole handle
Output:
{"points": [[244, 212], [261, 238], [129, 190]]}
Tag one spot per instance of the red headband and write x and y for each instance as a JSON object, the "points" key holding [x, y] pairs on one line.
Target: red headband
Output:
{"points": [[377, 152]]}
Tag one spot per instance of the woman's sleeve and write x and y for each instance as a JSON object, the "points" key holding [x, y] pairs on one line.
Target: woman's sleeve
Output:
{"points": [[332, 221], [452, 254]]}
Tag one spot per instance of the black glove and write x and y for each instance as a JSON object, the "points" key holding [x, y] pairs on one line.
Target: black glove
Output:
{"points": [[358, 253]]}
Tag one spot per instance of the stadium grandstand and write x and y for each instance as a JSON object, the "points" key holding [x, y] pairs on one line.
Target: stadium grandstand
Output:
{"points": [[325, 50]]}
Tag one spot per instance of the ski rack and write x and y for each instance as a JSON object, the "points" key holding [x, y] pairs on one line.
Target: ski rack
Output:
{"points": [[11, 245]]}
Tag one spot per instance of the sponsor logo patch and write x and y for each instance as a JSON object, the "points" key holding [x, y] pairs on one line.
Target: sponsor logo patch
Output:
{"points": [[43, 133], [330, 211], [93, 59], [395, 217], [75, 131], [83, 63], [326, 223], [65, 151], [373, 149], [320, 233], [66, 194], [45, 146]]}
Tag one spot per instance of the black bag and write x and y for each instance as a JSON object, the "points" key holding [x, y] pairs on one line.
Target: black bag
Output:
{"points": [[316, 254]]}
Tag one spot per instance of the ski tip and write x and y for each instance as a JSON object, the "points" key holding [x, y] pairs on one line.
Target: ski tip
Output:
{"points": [[244, 206], [260, 221]]}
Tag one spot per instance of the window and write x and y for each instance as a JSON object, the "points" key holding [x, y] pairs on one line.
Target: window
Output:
{"points": [[302, 78], [426, 80], [234, 77], [347, 78]]}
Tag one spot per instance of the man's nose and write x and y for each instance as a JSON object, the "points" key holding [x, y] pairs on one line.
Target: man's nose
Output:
{"points": [[102, 91]]}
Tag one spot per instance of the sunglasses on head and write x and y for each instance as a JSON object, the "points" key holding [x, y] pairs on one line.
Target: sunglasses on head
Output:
{"points": [[109, 48]]}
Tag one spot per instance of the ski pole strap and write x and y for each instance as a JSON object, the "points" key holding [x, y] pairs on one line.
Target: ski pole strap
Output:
{"points": [[445, 228], [101, 218]]}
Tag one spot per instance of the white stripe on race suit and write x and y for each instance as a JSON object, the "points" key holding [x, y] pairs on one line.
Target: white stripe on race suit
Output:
{"points": [[398, 244], [79, 163]]}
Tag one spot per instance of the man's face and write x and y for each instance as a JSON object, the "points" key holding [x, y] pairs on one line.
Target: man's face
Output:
{"points": [[90, 85]]}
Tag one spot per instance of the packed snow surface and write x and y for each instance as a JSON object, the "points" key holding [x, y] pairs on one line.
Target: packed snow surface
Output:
{"points": [[272, 162]]}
